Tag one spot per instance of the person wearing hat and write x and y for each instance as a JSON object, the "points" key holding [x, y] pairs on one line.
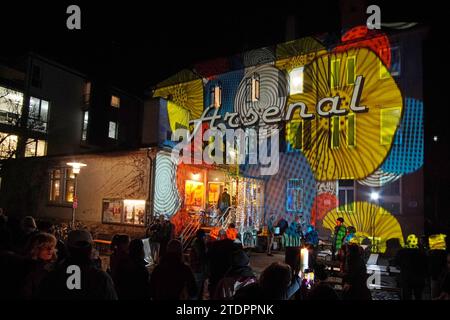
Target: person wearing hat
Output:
{"points": [[62, 283], [238, 276]]}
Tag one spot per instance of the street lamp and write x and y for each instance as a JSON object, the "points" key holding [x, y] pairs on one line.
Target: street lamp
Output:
{"points": [[375, 196], [76, 167]]}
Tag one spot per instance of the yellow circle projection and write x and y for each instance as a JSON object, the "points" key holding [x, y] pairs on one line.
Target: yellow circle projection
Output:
{"points": [[331, 155], [188, 95], [368, 219]]}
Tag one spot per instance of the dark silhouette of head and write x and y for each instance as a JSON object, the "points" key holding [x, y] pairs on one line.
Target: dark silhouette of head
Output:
{"points": [[275, 280], [136, 249]]}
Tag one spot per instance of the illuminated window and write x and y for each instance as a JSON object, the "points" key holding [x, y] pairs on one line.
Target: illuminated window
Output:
{"points": [[85, 125], [38, 114], [128, 211], [296, 81], [335, 72], [35, 148], [335, 131], [253, 88], [11, 103], [87, 93], [351, 130], [390, 117], [134, 212], [8, 145], [351, 70], [115, 101], [113, 130], [216, 96], [294, 195], [346, 195], [294, 133], [62, 185]]}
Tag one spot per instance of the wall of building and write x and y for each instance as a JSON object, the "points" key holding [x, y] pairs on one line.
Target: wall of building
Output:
{"points": [[64, 90], [26, 185]]}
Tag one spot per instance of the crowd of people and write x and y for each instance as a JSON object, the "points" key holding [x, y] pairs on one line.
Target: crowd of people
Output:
{"points": [[36, 263]]}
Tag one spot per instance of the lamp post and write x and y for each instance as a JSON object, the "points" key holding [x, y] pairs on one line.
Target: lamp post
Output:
{"points": [[76, 167], [375, 196]]}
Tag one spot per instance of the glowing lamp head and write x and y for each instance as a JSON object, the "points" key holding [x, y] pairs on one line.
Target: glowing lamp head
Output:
{"points": [[76, 166], [374, 196]]}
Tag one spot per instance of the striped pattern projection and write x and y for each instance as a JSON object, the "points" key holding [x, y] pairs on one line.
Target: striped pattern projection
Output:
{"points": [[379, 178], [368, 219], [229, 83], [188, 95], [273, 92], [406, 155], [367, 154], [298, 53], [291, 166], [258, 56], [166, 198]]}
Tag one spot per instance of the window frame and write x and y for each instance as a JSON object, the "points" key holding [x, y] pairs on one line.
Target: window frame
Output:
{"points": [[297, 186], [116, 132], [115, 105], [38, 119], [63, 178], [345, 207]]}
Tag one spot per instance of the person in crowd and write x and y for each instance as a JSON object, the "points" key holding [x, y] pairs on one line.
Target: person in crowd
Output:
{"points": [[320, 290], [275, 283], [167, 234], [232, 232], [271, 224], [238, 276], [90, 283], [132, 278], [412, 262], [355, 275], [444, 282], [311, 236], [28, 227], [48, 227], [224, 201], [198, 260], [338, 236], [351, 234], [5, 234], [154, 233], [437, 267], [41, 252], [119, 248], [219, 259], [172, 279]]}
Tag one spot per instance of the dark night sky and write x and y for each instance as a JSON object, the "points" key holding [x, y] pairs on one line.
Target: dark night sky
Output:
{"points": [[137, 45]]}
